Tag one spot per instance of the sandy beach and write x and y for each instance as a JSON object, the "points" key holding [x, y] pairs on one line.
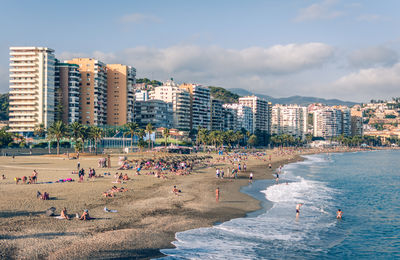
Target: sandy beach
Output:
{"points": [[149, 213]]}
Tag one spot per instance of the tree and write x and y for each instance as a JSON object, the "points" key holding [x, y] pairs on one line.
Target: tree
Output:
{"points": [[132, 128], [149, 131], [141, 133], [202, 136], [166, 134], [5, 138], [95, 133], [40, 130], [252, 140], [57, 131]]}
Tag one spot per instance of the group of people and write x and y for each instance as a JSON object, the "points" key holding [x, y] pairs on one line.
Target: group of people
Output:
{"points": [[26, 180], [339, 212], [114, 189], [84, 216], [42, 196]]}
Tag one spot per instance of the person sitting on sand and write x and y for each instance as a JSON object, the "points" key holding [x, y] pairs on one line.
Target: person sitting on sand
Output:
{"points": [[3, 177], [175, 190], [24, 179], [45, 196], [85, 215], [125, 177], [38, 195], [17, 179], [64, 213]]}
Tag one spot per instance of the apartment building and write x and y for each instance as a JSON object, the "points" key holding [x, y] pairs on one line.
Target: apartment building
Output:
{"points": [[179, 98], [217, 115], [289, 119], [327, 122], [200, 104], [32, 75], [67, 97], [244, 116], [156, 112], [120, 94], [356, 122], [262, 112], [93, 91]]}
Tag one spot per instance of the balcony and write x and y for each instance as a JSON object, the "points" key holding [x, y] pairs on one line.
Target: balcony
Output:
{"points": [[23, 103], [23, 108], [25, 120], [23, 81], [12, 97], [23, 53], [22, 64], [23, 86], [23, 69], [23, 75], [33, 58], [22, 114]]}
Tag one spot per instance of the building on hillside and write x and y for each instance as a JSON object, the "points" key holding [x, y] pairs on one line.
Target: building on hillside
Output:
{"points": [[32, 85], [230, 119], [356, 122], [262, 112], [171, 93], [141, 95], [67, 95], [244, 116], [289, 119], [200, 103], [156, 112], [93, 91], [120, 94]]}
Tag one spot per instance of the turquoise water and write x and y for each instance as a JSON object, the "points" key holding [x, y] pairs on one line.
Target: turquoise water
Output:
{"points": [[365, 185]]}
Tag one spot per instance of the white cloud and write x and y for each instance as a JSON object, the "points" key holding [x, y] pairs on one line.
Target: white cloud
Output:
{"points": [[139, 18], [381, 82], [373, 56], [318, 11], [371, 18]]}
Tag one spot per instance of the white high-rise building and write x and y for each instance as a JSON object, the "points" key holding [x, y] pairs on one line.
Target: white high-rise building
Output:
{"points": [[32, 74], [261, 112], [244, 116], [327, 122], [171, 93], [291, 120]]}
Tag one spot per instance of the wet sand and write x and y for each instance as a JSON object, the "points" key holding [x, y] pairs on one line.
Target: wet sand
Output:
{"points": [[149, 213]]}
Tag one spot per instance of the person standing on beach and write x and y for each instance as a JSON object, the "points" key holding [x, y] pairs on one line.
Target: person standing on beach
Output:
{"points": [[217, 194], [251, 178], [79, 165]]}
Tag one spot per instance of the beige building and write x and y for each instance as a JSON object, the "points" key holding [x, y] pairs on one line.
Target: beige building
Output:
{"points": [[120, 94], [32, 72], [289, 119], [93, 91]]}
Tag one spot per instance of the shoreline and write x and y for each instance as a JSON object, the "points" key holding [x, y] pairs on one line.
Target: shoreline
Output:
{"points": [[147, 220]]}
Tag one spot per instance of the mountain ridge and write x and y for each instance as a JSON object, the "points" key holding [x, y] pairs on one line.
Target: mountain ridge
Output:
{"points": [[299, 100]]}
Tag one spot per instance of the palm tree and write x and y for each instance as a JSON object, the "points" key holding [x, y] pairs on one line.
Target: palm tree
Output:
{"points": [[149, 131], [202, 136], [95, 134], [252, 140], [57, 131], [132, 129], [141, 133], [40, 130], [84, 135], [166, 134]]}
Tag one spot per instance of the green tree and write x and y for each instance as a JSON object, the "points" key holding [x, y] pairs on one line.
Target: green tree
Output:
{"points": [[202, 136], [166, 134], [132, 128], [149, 131], [57, 131], [95, 133], [252, 140], [40, 130]]}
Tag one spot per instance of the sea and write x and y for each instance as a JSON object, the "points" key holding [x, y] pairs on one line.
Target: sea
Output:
{"points": [[364, 185]]}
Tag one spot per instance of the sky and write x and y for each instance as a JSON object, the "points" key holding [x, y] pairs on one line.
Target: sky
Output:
{"points": [[323, 48]]}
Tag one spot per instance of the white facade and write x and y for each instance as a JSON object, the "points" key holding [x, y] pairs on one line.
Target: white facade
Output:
{"points": [[262, 112], [291, 120], [179, 98], [327, 122], [244, 116], [141, 95], [32, 75]]}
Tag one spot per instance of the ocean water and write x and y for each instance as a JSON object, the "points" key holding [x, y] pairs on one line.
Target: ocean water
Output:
{"points": [[365, 185]]}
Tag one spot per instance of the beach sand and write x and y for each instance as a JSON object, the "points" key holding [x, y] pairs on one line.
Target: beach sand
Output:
{"points": [[149, 213]]}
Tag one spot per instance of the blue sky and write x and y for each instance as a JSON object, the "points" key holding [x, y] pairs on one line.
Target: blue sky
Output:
{"points": [[325, 48]]}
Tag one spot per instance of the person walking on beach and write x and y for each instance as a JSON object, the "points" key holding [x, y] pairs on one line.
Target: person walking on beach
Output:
{"points": [[217, 194], [251, 178], [298, 209], [79, 165]]}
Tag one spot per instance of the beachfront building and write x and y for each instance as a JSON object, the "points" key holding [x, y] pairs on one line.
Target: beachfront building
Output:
{"points": [[200, 106], [93, 91], [230, 119], [262, 112], [217, 115], [327, 122], [120, 94], [179, 98], [141, 95], [356, 122], [156, 112], [31, 100], [67, 96], [289, 119], [244, 116]]}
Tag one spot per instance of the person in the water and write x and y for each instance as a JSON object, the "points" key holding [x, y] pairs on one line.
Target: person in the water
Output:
{"points": [[298, 209], [339, 214]]}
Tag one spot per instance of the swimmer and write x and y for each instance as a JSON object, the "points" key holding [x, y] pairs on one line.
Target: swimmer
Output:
{"points": [[298, 209], [339, 214]]}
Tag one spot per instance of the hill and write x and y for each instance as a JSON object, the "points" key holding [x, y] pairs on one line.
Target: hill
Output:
{"points": [[299, 100], [223, 94]]}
